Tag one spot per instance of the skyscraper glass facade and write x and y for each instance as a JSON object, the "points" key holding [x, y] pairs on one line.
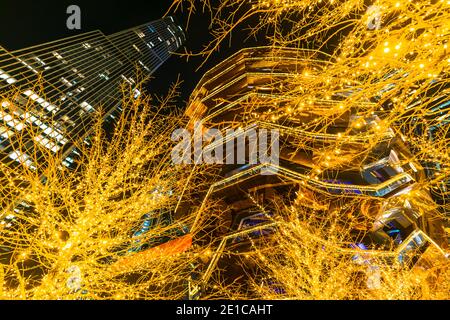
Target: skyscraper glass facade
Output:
{"points": [[57, 86]]}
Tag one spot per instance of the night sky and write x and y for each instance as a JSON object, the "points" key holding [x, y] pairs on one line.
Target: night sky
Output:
{"points": [[30, 22]]}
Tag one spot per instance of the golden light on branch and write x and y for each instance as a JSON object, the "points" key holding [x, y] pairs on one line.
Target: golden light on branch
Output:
{"points": [[82, 233], [311, 263], [383, 68]]}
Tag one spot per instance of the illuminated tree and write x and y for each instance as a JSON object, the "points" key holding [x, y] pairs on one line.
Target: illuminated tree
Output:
{"points": [[386, 60], [104, 229]]}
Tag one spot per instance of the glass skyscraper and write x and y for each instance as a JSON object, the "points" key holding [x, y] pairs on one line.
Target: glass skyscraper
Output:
{"points": [[55, 87]]}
